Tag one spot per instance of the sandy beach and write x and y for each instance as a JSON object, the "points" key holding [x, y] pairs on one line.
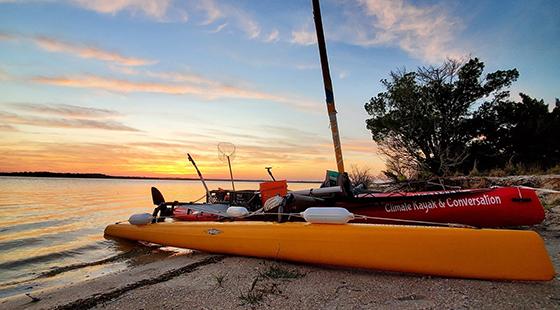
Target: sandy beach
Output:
{"points": [[203, 281]]}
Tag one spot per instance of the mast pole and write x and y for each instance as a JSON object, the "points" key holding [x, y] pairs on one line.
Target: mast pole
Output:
{"points": [[328, 84]]}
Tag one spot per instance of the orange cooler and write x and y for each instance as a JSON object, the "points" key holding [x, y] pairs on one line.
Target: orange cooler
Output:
{"points": [[273, 188]]}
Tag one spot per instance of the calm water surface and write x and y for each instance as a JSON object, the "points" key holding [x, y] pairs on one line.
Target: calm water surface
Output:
{"points": [[51, 229]]}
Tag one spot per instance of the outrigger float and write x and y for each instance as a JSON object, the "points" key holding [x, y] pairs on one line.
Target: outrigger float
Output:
{"points": [[440, 251]]}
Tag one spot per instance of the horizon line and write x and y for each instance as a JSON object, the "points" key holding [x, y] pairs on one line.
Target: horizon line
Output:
{"points": [[95, 175]]}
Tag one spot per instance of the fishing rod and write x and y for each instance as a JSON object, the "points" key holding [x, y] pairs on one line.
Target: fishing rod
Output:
{"points": [[200, 176]]}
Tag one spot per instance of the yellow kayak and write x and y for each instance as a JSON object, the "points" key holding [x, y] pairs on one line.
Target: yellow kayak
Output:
{"points": [[440, 251]]}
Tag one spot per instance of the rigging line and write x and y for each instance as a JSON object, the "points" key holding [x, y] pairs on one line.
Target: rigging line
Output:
{"points": [[357, 216], [545, 190], [457, 225], [199, 199]]}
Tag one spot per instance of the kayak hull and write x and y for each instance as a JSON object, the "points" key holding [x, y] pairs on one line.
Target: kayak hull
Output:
{"points": [[440, 251], [496, 207]]}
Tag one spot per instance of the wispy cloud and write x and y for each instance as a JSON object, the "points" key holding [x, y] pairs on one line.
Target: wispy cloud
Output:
{"points": [[176, 84], [424, 32], [304, 37], [307, 66], [116, 85], [212, 11], [230, 15], [154, 9], [343, 74], [247, 24], [12, 118], [4, 75], [85, 51], [273, 36], [6, 36], [182, 77], [66, 110], [4, 127], [219, 28]]}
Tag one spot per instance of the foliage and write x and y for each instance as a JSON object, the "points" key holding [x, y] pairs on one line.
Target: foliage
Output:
{"points": [[279, 272], [361, 175], [453, 119], [523, 135], [219, 279]]}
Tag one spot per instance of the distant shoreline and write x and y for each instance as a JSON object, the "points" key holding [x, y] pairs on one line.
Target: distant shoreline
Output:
{"points": [[46, 174]]}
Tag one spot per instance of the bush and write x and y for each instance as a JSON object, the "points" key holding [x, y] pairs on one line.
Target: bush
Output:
{"points": [[361, 175]]}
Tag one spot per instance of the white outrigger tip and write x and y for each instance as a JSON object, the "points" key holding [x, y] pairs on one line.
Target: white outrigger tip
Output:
{"points": [[140, 219]]}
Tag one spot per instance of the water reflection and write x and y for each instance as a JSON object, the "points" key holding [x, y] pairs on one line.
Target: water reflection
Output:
{"points": [[49, 223]]}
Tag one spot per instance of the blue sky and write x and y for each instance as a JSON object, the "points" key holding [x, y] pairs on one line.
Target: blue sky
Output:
{"points": [[128, 87]]}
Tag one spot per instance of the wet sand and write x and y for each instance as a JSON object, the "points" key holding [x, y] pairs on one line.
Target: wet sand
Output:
{"points": [[202, 281]]}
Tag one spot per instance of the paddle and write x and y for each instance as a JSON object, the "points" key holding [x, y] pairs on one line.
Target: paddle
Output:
{"points": [[157, 197], [159, 201]]}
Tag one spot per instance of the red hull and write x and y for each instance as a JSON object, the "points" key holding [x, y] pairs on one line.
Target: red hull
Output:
{"points": [[504, 206]]}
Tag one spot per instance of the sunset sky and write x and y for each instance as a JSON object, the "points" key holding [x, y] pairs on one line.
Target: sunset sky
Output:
{"points": [[128, 87]]}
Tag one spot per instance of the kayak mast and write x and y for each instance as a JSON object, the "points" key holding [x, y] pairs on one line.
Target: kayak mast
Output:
{"points": [[328, 85]]}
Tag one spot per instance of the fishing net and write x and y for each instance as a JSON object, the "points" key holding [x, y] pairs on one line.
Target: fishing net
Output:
{"points": [[226, 150], [226, 153]]}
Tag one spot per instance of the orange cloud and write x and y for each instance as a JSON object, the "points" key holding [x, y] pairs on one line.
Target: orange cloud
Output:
{"points": [[116, 85], [88, 52], [64, 110], [200, 87], [181, 77], [359, 146], [4, 127], [11, 118]]}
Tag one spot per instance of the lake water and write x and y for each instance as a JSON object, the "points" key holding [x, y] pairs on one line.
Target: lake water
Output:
{"points": [[51, 229]]}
